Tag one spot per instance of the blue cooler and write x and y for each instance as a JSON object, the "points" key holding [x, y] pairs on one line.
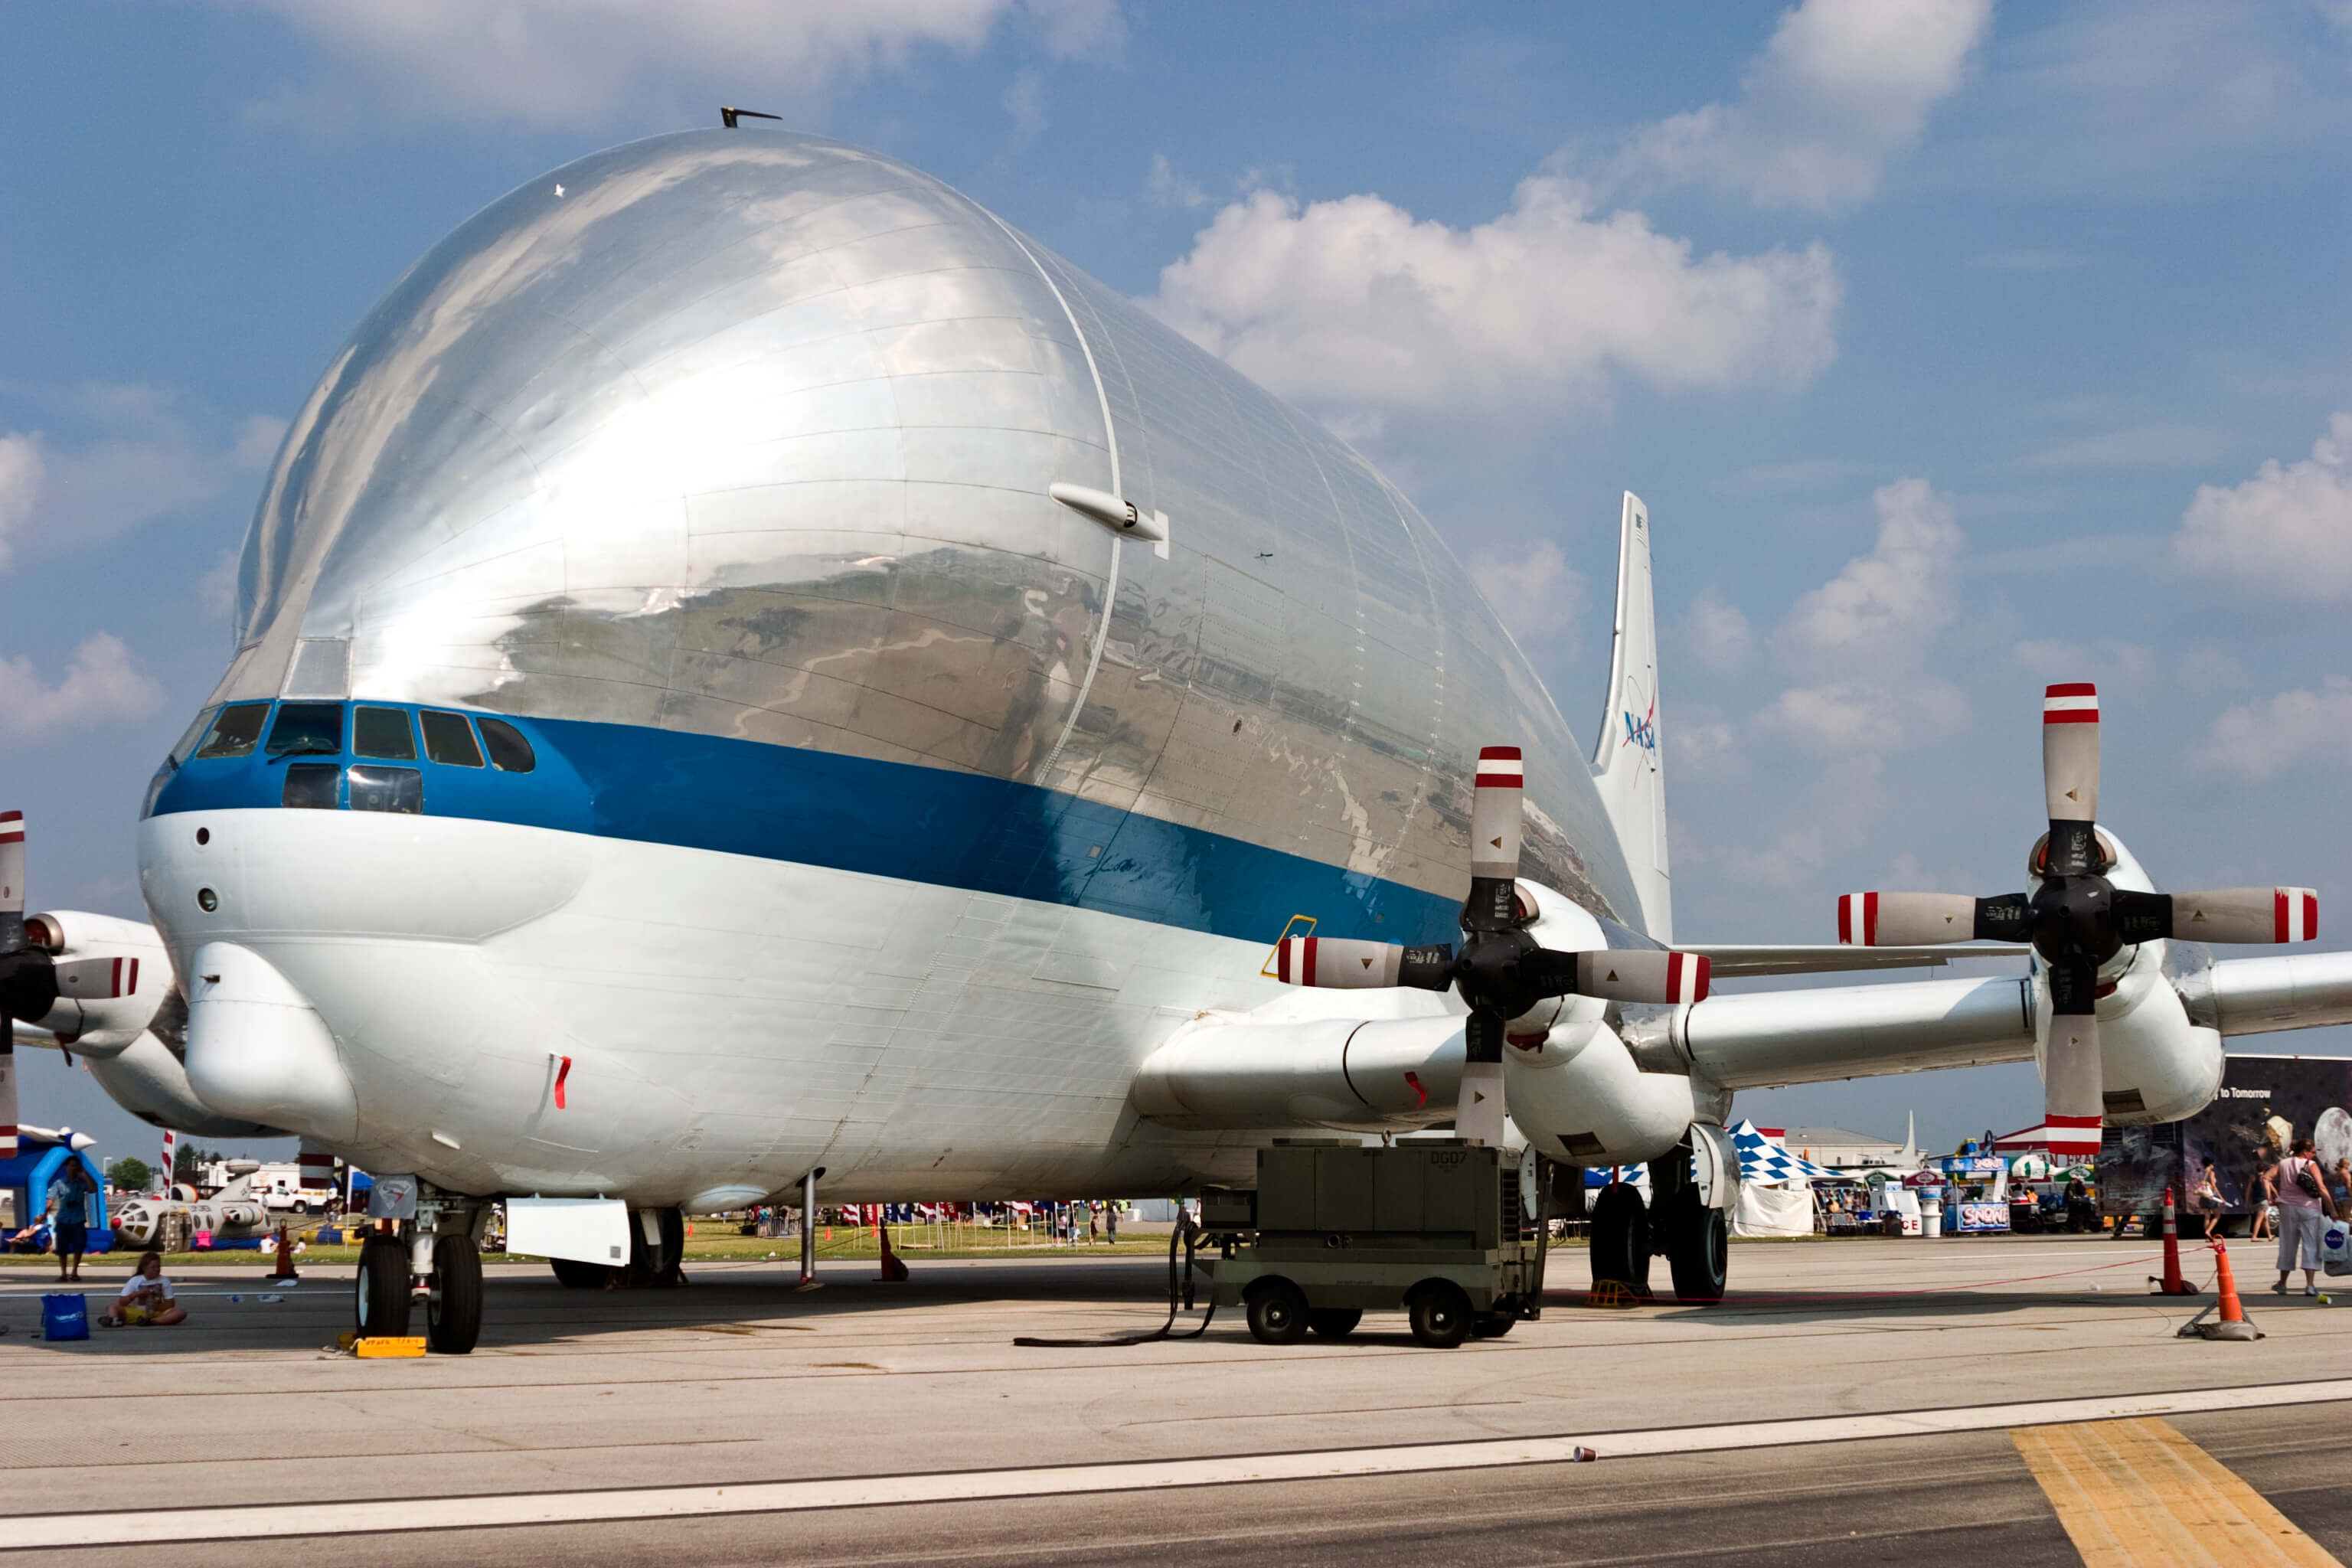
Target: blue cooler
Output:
{"points": [[64, 1317]]}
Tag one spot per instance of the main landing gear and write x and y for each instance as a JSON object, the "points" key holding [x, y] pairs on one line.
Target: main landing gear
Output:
{"points": [[1679, 1224], [435, 1259]]}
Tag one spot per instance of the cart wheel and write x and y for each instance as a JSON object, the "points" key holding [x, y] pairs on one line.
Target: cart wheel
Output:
{"points": [[1440, 1313], [1334, 1322], [1493, 1325], [1278, 1312]]}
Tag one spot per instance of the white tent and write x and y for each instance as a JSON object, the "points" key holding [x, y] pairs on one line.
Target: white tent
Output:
{"points": [[1775, 1187]]}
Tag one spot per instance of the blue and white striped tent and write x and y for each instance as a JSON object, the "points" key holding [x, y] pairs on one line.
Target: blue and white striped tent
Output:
{"points": [[1762, 1160]]}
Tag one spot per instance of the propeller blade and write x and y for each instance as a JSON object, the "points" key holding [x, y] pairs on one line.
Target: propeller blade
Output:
{"points": [[2072, 1082], [7, 1086], [91, 979], [1337, 964], [2070, 775], [12, 881], [1497, 807], [1620, 974], [1925, 919], [2219, 915], [1479, 1112]]}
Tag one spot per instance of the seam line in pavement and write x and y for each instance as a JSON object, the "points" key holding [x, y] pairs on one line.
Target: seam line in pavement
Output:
{"points": [[281, 1521]]}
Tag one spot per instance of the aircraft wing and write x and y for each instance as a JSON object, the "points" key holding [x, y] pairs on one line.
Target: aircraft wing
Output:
{"points": [[1739, 961]]}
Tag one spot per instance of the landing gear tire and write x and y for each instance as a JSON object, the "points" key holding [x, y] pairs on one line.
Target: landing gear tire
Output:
{"points": [[578, 1276], [379, 1296], [673, 1245], [1334, 1322], [1440, 1314], [1699, 1252], [1278, 1312], [1493, 1325], [1620, 1239], [453, 1312]]}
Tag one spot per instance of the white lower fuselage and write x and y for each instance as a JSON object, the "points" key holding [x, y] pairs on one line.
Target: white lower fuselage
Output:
{"points": [[729, 1021]]}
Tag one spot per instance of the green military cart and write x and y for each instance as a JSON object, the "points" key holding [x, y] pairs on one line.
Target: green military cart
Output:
{"points": [[1438, 1228]]}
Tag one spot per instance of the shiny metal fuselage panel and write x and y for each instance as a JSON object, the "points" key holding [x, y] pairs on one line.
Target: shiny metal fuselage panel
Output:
{"points": [[749, 436]]}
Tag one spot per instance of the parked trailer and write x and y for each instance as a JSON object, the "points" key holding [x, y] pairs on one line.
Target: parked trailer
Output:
{"points": [[1440, 1229]]}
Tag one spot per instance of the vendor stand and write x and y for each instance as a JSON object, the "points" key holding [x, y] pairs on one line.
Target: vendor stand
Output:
{"points": [[1978, 1205]]}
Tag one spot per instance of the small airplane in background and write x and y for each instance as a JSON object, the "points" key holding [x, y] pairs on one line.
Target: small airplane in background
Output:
{"points": [[755, 671]]}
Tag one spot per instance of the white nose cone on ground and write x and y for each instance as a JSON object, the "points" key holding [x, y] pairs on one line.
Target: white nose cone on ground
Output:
{"points": [[257, 1049]]}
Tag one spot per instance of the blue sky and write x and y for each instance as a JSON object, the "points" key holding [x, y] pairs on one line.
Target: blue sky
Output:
{"points": [[1956, 350]]}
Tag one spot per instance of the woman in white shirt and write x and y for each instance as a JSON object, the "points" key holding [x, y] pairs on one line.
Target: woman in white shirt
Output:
{"points": [[147, 1297]]}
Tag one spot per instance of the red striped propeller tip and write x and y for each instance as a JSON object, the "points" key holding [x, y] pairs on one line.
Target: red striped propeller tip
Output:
{"points": [[1499, 768], [2073, 702]]}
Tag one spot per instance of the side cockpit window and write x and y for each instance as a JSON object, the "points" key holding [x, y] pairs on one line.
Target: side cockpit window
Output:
{"points": [[235, 731], [185, 747], [509, 752], [307, 729], [382, 732], [376, 788], [449, 739]]}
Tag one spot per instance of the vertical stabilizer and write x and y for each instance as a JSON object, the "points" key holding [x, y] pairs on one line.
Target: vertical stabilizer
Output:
{"points": [[1626, 761]]}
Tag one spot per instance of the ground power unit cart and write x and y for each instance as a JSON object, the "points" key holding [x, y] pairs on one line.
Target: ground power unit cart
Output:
{"points": [[1445, 1231]]}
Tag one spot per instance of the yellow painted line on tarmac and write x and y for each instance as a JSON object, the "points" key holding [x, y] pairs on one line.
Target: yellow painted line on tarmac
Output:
{"points": [[2138, 1494]]}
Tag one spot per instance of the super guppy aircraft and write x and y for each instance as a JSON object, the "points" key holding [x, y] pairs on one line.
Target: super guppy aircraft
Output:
{"points": [[748, 665]]}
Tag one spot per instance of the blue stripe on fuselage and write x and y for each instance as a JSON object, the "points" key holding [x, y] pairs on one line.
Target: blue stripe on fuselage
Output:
{"points": [[884, 818]]}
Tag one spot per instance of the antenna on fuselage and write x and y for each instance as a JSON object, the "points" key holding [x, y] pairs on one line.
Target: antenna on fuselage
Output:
{"points": [[728, 116]]}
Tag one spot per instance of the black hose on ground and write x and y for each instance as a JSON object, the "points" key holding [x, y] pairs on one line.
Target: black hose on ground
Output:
{"points": [[1186, 1237]]}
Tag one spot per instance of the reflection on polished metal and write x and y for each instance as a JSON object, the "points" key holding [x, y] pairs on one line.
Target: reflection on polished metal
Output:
{"points": [[755, 436]]}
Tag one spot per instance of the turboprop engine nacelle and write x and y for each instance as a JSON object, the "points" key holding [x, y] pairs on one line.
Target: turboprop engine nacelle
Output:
{"points": [[1570, 1084]]}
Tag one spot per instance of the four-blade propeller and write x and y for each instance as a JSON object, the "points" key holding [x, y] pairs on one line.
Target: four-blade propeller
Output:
{"points": [[2076, 920], [1501, 971], [31, 979]]}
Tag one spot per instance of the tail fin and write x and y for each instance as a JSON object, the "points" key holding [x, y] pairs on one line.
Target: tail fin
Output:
{"points": [[1626, 766]]}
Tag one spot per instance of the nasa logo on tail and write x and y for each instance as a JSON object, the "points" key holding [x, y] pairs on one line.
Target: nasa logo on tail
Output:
{"points": [[1642, 732]]}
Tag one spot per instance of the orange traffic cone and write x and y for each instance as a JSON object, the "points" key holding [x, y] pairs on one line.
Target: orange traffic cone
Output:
{"points": [[894, 1268], [2172, 1284], [2232, 1324], [285, 1273]]}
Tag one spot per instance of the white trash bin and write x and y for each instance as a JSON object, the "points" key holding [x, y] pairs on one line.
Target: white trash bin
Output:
{"points": [[1931, 1218]]}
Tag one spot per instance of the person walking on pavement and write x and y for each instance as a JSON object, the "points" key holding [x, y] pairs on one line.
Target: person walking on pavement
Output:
{"points": [[2303, 1198], [2208, 1199], [2265, 1196]]}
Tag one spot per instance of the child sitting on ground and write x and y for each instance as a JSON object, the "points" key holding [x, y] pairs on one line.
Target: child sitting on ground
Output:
{"points": [[147, 1297]]}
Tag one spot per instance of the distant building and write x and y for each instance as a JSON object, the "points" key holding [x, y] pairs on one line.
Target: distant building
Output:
{"points": [[1844, 1150]]}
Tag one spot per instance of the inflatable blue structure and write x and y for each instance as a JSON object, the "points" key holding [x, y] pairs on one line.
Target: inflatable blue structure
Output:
{"points": [[40, 1160]]}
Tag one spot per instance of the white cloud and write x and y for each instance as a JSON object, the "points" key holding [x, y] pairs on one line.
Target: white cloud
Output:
{"points": [[1869, 715], [102, 684], [574, 62], [2263, 739], [1842, 88], [1536, 591], [1170, 189], [1700, 749], [1024, 100], [1867, 631], [1885, 605], [2172, 443], [144, 456], [1353, 302], [21, 471], [2285, 532], [1717, 633], [1794, 860], [2109, 662]]}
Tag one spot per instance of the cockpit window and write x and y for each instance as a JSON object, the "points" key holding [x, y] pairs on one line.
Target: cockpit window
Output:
{"points": [[449, 739], [235, 731], [382, 732], [313, 786], [186, 746], [373, 788], [307, 729], [509, 752]]}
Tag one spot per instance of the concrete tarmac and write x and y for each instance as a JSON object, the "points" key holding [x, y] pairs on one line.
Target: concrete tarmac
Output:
{"points": [[1862, 1370]]}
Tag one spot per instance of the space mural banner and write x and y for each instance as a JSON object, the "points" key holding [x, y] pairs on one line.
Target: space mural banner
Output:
{"points": [[2265, 1103]]}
